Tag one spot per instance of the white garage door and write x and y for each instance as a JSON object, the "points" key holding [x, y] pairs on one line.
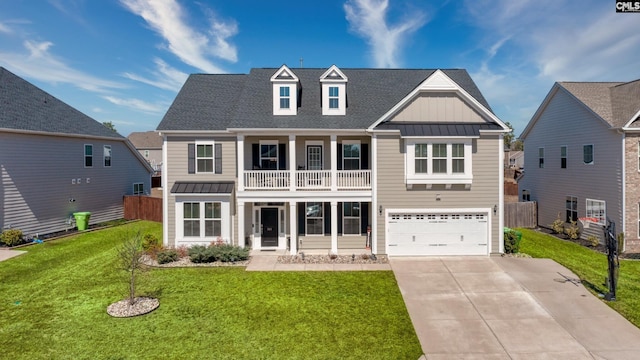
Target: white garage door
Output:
{"points": [[437, 234]]}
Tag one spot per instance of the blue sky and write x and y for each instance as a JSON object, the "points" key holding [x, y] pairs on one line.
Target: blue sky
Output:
{"points": [[124, 60]]}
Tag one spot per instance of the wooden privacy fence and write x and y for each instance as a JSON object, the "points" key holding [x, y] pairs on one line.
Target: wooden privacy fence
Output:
{"points": [[143, 208], [510, 188], [521, 214]]}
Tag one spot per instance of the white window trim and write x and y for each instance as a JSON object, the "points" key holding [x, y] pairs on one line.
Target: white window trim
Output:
{"points": [[352, 142], [352, 217], [541, 165], [566, 156], [269, 142], [306, 224], [84, 155], [283, 97], [213, 157], [571, 197], [342, 98], [450, 177], [225, 216], [306, 149], [137, 192], [104, 156], [293, 98], [593, 154], [590, 217]]}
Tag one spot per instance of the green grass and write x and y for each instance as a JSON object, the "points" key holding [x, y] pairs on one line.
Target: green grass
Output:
{"points": [[53, 304], [591, 267]]}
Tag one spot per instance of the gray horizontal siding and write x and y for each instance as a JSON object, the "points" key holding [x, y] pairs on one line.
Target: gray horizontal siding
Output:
{"points": [[36, 181], [392, 192]]}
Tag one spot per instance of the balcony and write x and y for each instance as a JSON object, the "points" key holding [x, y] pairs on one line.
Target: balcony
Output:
{"points": [[307, 180]]}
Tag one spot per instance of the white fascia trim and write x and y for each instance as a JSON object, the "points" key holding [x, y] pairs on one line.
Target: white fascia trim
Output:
{"points": [[633, 118], [440, 137], [194, 132], [494, 131], [451, 87], [329, 71], [439, 210], [624, 190], [282, 69]]}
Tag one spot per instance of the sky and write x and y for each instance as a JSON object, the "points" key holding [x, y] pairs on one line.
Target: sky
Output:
{"points": [[123, 61]]}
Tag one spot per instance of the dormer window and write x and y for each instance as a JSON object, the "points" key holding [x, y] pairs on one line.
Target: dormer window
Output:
{"points": [[285, 92], [334, 92]]}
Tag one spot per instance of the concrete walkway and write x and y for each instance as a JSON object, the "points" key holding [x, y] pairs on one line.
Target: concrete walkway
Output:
{"points": [[8, 254], [509, 308], [268, 261]]}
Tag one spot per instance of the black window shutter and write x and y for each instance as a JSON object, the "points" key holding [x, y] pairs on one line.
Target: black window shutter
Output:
{"points": [[339, 156], [340, 210], [191, 158], [327, 218], [301, 218], [218, 158], [364, 217], [255, 155], [364, 156], [282, 156]]}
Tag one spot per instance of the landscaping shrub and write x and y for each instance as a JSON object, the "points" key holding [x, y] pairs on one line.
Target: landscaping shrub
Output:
{"points": [[199, 254], [511, 242], [11, 237], [223, 253], [557, 226], [150, 243], [572, 231], [593, 240], [167, 255]]}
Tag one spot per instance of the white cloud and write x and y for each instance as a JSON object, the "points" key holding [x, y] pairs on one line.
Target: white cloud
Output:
{"points": [[138, 104], [5, 29], [40, 64], [367, 19], [193, 47], [164, 77]]}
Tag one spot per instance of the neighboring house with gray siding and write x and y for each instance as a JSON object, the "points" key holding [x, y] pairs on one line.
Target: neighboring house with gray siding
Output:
{"points": [[583, 156], [149, 145], [405, 162], [55, 160]]}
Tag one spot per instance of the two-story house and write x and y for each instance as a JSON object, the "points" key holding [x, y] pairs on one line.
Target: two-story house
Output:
{"points": [[149, 145], [401, 161], [583, 157], [55, 161]]}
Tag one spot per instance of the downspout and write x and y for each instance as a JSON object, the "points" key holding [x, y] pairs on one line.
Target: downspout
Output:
{"points": [[500, 194], [624, 192], [165, 193]]}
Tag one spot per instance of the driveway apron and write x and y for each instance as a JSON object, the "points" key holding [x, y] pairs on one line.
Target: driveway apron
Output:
{"points": [[509, 308]]}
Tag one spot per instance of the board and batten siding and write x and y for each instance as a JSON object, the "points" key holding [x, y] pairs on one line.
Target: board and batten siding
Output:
{"points": [[177, 170], [566, 122], [37, 171], [392, 191], [438, 107]]}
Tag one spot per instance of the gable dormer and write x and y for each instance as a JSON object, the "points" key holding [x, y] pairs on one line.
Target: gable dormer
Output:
{"points": [[334, 92], [285, 91]]}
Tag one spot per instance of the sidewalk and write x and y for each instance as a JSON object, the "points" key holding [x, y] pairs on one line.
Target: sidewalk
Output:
{"points": [[8, 254], [268, 261]]}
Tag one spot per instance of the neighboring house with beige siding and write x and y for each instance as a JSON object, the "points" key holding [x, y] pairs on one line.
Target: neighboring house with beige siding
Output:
{"points": [[583, 157], [149, 145], [55, 161], [398, 162]]}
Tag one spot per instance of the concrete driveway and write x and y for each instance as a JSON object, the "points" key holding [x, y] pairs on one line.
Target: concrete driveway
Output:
{"points": [[509, 308]]}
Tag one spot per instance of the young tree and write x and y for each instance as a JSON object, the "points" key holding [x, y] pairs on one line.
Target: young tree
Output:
{"points": [[109, 125], [508, 137], [130, 260]]}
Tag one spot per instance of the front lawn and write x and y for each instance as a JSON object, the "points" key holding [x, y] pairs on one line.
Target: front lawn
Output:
{"points": [[591, 267], [53, 304]]}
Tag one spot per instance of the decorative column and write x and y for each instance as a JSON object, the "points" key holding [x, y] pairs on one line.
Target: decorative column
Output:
{"points": [[292, 163], [293, 228], [334, 163], [240, 161], [374, 216], [241, 242], [334, 227]]}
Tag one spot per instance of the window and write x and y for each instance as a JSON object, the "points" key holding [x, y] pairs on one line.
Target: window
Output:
{"points": [[439, 161], [138, 189], [563, 157], [107, 155], [587, 154], [333, 97], [146, 153], [204, 158], [269, 156], [596, 211], [571, 205], [315, 218], [457, 158], [88, 155], [284, 97], [421, 159], [351, 156], [526, 195], [197, 222], [541, 158], [351, 218]]}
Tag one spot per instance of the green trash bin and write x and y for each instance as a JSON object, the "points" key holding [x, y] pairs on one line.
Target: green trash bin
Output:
{"points": [[82, 219]]}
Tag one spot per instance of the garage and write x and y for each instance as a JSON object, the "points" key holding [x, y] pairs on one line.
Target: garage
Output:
{"points": [[429, 233]]}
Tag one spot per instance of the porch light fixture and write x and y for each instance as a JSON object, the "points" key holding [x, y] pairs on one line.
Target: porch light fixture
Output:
{"points": [[380, 210], [495, 209]]}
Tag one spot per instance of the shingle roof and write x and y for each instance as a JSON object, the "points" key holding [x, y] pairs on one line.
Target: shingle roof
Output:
{"points": [[146, 140], [614, 102], [23, 106], [220, 102], [438, 129], [202, 187]]}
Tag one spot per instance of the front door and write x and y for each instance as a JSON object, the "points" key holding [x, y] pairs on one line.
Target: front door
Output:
{"points": [[269, 227]]}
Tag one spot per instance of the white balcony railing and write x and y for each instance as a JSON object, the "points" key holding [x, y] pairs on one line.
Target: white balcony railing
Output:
{"points": [[306, 180]]}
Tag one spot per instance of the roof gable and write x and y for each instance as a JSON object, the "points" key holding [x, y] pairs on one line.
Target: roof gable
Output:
{"points": [[146, 140], [284, 74], [333, 74]]}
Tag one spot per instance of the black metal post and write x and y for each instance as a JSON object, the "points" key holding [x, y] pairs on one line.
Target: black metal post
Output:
{"points": [[612, 258]]}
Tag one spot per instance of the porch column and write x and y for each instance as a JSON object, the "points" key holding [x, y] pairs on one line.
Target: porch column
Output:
{"points": [[334, 163], [334, 227], [292, 163], [374, 216], [241, 224], [293, 228], [240, 167]]}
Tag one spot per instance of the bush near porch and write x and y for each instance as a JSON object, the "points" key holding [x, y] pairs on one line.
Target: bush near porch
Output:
{"points": [[53, 305]]}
